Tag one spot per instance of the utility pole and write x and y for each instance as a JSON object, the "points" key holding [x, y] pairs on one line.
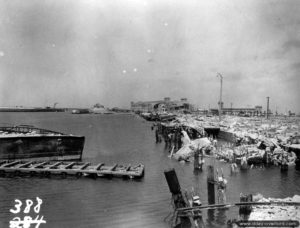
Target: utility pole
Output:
{"points": [[231, 108], [220, 101], [268, 98]]}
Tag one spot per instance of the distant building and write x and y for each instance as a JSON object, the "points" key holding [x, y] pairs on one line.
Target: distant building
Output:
{"points": [[165, 105], [256, 111], [292, 114]]}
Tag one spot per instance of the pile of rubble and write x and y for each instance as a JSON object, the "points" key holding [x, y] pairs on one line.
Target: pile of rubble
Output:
{"points": [[286, 212], [254, 140], [261, 141]]}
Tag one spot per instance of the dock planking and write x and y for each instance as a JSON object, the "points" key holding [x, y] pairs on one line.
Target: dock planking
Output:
{"points": [[38, 165], [71, 168], [99, 166], [25, 165], [54, 165], [84, 165]]}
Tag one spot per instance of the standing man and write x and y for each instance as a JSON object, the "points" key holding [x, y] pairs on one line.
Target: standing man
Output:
{"points": [[221, 188]]}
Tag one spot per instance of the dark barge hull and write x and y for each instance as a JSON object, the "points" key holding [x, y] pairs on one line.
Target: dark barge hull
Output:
{"points": [[46, 144]]}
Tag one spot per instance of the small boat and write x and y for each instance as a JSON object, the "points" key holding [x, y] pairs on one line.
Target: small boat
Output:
{"points": [[80, 111], [100, 109]]}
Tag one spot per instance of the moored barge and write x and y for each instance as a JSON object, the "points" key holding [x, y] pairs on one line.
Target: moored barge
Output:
{"points": [[25, 142]]}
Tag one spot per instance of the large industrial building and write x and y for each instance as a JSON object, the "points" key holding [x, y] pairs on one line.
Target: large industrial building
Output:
{"points": [[256, 111], [165, 105]]}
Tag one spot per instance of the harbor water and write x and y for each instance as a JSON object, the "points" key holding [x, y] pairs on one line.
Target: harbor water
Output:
{"points": [[125, 139]]}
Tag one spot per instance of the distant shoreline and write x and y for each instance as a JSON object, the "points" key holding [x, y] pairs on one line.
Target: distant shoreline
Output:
{"points": [[22, 109]]}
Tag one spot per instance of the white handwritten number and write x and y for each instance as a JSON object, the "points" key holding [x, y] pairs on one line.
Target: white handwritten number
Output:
{"points": [[17, 222], [17, 206], [26, 223], [38, 206], [28, 206]]}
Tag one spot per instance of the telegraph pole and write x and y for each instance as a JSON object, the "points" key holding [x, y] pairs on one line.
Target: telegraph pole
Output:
{"points": [[220, 101], [268, 98]]}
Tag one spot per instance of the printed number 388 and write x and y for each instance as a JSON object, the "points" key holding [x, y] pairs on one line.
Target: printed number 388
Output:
{"points": [[29, 203]]}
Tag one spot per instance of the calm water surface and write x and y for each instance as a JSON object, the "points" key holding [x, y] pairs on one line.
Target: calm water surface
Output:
{"points": [[124, 203]]}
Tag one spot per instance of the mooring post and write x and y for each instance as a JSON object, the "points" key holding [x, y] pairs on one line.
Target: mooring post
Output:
{"points": [[245, 211], [177, 197], [196, 160], [211, 184], [175, 189]]}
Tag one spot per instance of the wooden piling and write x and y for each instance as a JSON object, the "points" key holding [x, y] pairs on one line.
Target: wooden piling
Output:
{"points": [[196, 160], [211, 184], [175, 189], [245, 211]]}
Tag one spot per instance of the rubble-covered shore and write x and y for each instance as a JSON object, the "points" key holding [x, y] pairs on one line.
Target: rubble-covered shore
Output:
{"points": [[253, 141], [276, 212]]}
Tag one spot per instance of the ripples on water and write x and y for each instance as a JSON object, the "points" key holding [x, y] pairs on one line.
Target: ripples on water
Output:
{"points": [[124, 203]]}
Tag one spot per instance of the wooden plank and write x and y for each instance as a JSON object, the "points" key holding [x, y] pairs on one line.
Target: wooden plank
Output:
{"points": [[84, 166], [69, 166], [2, 162], [99, 166], [114, 167], [128, 168], [10, 164], [39, 165], [26, 164], [214, 206], [54, 165]]}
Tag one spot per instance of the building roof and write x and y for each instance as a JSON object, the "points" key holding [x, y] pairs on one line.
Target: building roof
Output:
{"points": [[147, 102]]}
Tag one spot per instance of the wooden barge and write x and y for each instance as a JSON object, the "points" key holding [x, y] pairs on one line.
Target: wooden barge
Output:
{"points": [[78, 169], [25, 142]]}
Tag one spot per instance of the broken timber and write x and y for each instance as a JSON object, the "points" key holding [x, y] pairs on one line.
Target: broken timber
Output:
{"points": [[48, 168], [186, 211]]}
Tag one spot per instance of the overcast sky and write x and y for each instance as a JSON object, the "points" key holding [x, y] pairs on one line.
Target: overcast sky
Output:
{"points": [[82, 52]]}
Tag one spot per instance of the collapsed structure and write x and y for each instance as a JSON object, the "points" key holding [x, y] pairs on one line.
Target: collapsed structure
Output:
{"points": [[249, 141]]}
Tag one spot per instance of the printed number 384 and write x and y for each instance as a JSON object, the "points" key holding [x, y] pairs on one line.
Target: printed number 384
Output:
{"points": [[29, 203]]}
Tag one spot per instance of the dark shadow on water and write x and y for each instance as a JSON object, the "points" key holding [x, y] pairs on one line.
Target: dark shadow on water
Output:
{"points": [[210, 217], [185, 223], [198, 172], [244, 171], [221, 216], [284, 174]]}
